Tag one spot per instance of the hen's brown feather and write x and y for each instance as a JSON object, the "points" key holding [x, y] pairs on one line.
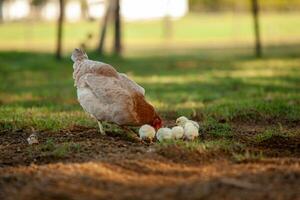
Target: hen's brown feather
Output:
{"points": [[145, 112]]}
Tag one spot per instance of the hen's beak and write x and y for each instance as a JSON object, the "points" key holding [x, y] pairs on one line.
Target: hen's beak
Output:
{"points": [[158, 126]]}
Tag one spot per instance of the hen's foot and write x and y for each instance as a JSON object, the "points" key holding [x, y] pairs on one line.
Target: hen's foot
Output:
{"points": [[101, 128]]}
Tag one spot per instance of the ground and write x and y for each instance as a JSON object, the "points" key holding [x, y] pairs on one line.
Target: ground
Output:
{"points": [[80, 163], [248, 110]]}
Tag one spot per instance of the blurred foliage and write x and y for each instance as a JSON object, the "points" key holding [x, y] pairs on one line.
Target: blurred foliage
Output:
{"points": [[223, 5]]}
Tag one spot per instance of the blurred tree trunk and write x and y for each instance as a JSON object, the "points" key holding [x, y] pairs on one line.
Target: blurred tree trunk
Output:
{"points": [[1, 11], [255, 13], [167, 22], [117, 19], [84, 9], [104, 27], [60, 29], [168, 28], [113, 7]]}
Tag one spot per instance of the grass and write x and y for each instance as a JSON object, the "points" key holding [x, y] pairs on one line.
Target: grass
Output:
{"points": [[59, 150], [212, 127], [190, 32], [206, 146], [36, 90], [247, 156], [273, 132], [222, 85], [264, 135], [203, 150]]}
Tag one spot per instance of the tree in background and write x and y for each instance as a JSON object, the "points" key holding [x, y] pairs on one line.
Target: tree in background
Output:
{"points": [[117, 20], [36, 8], [167, 22], [112, 8], [84, 9], [255, 13], [1, 11], [104, 26], [224, 5], [60, 29]]}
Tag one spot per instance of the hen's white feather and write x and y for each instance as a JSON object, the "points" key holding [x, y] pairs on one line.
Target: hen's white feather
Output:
{"points": [[103, 92]]}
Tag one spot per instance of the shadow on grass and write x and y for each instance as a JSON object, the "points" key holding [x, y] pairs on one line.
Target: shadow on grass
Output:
{"points": [[214, 81]]}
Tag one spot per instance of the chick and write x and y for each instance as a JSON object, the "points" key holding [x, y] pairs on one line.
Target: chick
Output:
{"points": [[164, 134], [32, 139], [177, 132], [190, 131], [182, 120], [147, 132]]}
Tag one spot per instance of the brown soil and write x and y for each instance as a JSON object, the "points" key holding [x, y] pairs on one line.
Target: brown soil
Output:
{"points": [[112, 167]]}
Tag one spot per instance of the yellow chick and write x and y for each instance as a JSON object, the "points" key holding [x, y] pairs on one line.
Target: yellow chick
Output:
{"points": [[177, 132], [164, 134], [190, 131], [180, 121], [147, 132]]}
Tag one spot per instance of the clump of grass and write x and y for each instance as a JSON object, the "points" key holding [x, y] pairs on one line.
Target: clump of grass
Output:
{"points": [[272, 132], [247, 156], [223, 145], [49, 145], [217, 129], [60, 150], [42, 118], [264, 135]]}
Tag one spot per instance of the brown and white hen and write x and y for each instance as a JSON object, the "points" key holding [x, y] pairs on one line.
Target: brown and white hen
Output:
{"points": [[110, 96]]}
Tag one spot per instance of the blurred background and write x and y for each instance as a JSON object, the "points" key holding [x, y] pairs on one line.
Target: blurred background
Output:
{"points": [[220, 59], [147, 25]]}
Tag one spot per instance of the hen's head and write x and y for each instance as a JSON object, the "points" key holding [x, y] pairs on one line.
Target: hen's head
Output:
{"points": [[157, 122], [78, 55]]}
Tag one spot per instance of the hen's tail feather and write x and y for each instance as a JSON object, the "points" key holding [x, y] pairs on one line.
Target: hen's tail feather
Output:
{"points": [[78, 54]]}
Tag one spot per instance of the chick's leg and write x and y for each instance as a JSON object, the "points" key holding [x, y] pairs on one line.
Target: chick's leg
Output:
{"points": [[101, 128]]}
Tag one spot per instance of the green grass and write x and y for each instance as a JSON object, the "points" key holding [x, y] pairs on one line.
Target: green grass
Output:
{"points": [[206, 146], [190, 32], [183, 75], [247, 156], [59, 150], [273, 132], [212, 127], [36, 90]]}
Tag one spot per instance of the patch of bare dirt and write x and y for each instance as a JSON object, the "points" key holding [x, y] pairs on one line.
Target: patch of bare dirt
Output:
{"points": [[281, 143], [278, 145], [113, 167]]}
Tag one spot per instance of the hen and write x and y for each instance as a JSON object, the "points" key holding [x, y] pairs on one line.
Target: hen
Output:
{"points": [[110, 96]]}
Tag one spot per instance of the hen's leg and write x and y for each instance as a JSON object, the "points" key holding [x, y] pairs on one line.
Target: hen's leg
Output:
{"points": [[101, 128]]}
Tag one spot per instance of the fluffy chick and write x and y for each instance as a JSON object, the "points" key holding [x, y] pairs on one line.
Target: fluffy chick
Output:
{"points": [[190, 131], [147, 132], [177, 132], [181, 121], [164, 134], [32, 139]]}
